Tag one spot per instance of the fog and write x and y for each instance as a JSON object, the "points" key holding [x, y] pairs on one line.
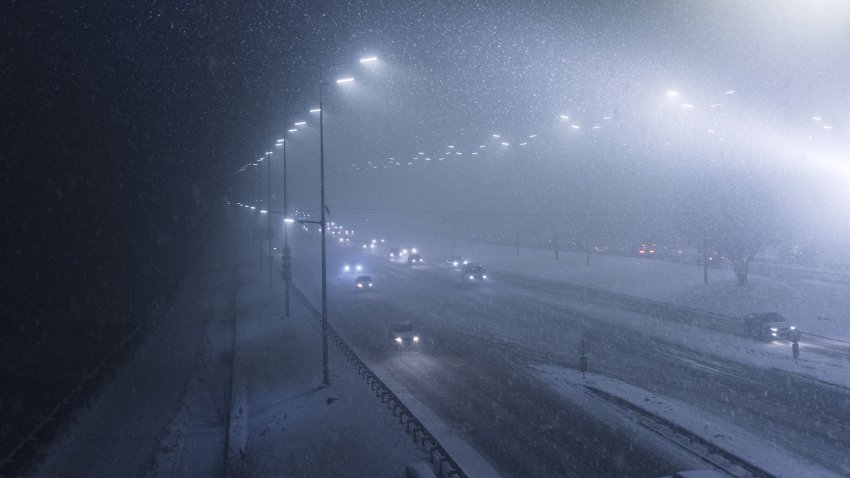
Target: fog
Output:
{"points": [[669, 106], [513, 190]]}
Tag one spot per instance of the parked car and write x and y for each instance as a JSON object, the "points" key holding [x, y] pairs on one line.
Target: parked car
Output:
{"points": [[769, 326]]}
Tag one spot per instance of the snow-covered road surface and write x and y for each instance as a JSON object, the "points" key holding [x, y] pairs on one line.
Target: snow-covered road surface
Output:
{"points": [[474, 336]]}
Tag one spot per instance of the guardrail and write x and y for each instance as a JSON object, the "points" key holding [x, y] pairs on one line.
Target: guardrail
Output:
{"points": [[718, 456], [443, 464]]}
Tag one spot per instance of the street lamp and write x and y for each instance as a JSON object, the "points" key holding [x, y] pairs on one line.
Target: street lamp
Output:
{"points": [[286, 220], [269, 216], [323, 222]]}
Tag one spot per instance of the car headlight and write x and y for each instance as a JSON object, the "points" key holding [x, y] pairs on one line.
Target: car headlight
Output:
{"points": [[774, 329], [484, 277], [465, 262], [370, 284], [472, 277], [416, 338], [454, 263], [413, 250], [360, 285], [359, 267], [793, 327], [346, 268], [398, 340]]}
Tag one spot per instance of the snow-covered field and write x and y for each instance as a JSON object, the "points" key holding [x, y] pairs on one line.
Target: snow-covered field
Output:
{"points": [[820, 307]]}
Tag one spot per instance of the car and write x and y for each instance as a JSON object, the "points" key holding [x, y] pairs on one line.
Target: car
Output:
{"points": [[363, 282], [349, 268], [600, 248], [394, 253], [769, 326], [404, 335], [414, 259], [646, 249], [716, 258], [456, 261], [672, 253], [473, 272], [797, 254]]}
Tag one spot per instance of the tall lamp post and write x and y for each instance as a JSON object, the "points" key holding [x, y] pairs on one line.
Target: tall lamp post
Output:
{"points": [[322, 222], [269, 213], [323, 219], [281, 143]]}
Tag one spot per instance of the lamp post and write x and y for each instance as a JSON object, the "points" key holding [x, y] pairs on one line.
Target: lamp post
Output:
{"points": [[322, 222], [286, 251], [269, 213], [323, 219]]}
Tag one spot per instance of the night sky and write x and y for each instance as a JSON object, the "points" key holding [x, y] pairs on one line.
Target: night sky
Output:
{"points": [[124, 123]]}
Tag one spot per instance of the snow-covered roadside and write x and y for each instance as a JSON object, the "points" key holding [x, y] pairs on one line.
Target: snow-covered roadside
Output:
{"points": [[714, 430], [295, 426], [122, 431], [816, 307], [194, 441], [715, 346]]}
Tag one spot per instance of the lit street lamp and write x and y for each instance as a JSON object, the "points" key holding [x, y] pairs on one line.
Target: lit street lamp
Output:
{"points": [[286, 221], [322, 222]]}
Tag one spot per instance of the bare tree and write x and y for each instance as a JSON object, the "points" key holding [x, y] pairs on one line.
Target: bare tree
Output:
{"points": [[737, 218]]}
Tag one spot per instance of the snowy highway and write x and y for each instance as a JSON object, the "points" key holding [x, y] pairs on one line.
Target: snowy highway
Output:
{"points": [[479, 340]]}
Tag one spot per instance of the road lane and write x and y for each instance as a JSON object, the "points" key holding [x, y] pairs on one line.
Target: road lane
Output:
{"points": [[473, 333]]}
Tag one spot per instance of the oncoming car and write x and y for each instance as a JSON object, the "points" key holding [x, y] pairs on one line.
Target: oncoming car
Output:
{"points": [[769, 326], [456, 261], [405, 335], [363, 283], [394, 253], [474, 272], [414, 259], [349, 268]]}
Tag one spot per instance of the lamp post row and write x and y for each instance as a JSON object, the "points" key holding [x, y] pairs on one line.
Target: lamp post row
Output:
{"points": [[322, 220]]}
